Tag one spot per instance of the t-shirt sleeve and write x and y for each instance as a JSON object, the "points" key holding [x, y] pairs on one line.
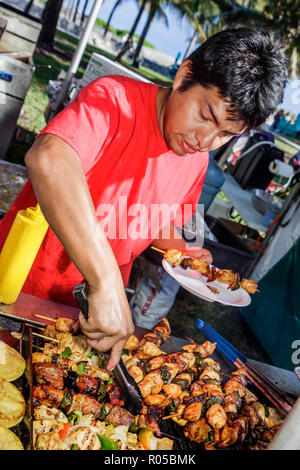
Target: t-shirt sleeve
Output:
{"points": [[88, 123]]}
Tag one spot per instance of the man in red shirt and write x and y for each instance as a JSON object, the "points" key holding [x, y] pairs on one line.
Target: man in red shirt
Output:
{"points": [[104, 167]]}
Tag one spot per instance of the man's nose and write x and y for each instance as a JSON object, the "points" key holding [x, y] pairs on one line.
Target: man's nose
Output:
{"points": [[206, 140]]}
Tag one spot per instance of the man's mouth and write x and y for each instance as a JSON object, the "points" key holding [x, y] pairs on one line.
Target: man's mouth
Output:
{"points": [[187, 147]]}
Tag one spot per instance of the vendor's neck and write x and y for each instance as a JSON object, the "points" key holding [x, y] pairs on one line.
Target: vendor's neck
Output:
{"points": [[161, 101]]}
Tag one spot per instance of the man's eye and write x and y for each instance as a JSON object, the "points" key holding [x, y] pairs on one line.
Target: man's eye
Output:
{"points": [[203, 117]]}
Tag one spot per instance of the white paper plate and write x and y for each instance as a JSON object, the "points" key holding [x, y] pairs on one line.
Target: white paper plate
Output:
{"points": [[195, 283]]}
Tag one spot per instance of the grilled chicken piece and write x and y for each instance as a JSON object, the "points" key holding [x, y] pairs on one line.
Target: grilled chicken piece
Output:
{"points": [[249, 285], [209, 373], [249, 397], [205, 349], [157, 400], [65, 325], [216, 416], [184, 360], [172, 391], [77, 344], [174, 257], [97, 372], [213, 390], [268, 434], [163, 327], [185, 376], [40, 357], [144, 422], [255, 414], [136, 373], [45, 412], [149, 349], [119, 416], [50, 331], [86, 404], [66, 365], [196, 389], [84, 437], [48, 373], [240, 425], [50, 441], [198, 431], [86, 384], [227, 437], [235, 384], [232, 403], [51, 349], [210, 362], [43, 426], [171, 369], [47, 395], [156, 362], [151, 384], [94, 424], [132, 343], [192, 412]]}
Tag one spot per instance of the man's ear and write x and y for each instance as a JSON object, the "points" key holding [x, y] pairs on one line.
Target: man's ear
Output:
{"points": [[181, 74]]}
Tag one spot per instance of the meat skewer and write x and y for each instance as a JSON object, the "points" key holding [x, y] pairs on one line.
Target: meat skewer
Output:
{"points": [[224, 276]]}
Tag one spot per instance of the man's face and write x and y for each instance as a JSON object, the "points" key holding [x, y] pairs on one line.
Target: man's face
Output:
{"points": [[197, 120]]}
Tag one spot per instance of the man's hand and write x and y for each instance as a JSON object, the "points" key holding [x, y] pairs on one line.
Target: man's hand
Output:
{"points": [[109, 323], [199, 252]]}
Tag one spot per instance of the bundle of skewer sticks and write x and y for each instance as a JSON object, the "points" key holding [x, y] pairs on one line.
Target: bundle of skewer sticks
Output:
{"points": [[224, 276]]}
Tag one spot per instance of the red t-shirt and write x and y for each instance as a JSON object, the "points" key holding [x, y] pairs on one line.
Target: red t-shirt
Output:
{"points": [[112, 125]]}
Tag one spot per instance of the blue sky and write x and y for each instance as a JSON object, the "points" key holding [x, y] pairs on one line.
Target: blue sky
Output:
{"points": [[175, 38]]}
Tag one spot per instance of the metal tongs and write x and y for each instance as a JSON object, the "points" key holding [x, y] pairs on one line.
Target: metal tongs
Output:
{"points": [[129, 387]]}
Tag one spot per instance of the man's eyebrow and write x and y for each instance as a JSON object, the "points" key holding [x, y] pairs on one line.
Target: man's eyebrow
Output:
{"points": [[216, 120], [212, 113]]}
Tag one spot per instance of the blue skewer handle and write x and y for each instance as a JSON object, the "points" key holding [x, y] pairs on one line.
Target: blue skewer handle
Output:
{"points": [[223, 346]]}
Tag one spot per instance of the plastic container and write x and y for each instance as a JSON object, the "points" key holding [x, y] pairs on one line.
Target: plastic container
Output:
{"points": [[214, 180], [19, 251]]}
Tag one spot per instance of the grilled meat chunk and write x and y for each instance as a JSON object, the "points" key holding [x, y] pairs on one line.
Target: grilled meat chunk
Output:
{"points": [[119, 416], [136, 373], [198, 431], [84, 437], [216, 416], [43, 426], [184, 360], [48, 373], [151, 384], [47, 395], [157, 400], [50, 441], [193, 411], [86, 404], [45, 412], [86, 384]]}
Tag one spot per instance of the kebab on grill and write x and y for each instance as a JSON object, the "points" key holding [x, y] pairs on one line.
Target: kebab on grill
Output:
{"points": [[72, 407], [77, 402], [224, 276], [188, 387]]}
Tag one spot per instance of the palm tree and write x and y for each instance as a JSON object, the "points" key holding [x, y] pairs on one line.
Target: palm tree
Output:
{"points": [[114, 8], [28, 6], [83, 12], [49, 18], [128, 42], [76, 10], [155, 9]]}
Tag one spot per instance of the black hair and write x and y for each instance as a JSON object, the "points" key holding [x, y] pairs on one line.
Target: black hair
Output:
{"points": [[249, 69]]}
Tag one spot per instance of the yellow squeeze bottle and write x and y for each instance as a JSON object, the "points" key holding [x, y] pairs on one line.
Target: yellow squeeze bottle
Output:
{"points": [[19, 251]]}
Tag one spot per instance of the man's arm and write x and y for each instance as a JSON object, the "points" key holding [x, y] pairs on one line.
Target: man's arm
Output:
{"points": [[169, 237], [62, 192]]}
